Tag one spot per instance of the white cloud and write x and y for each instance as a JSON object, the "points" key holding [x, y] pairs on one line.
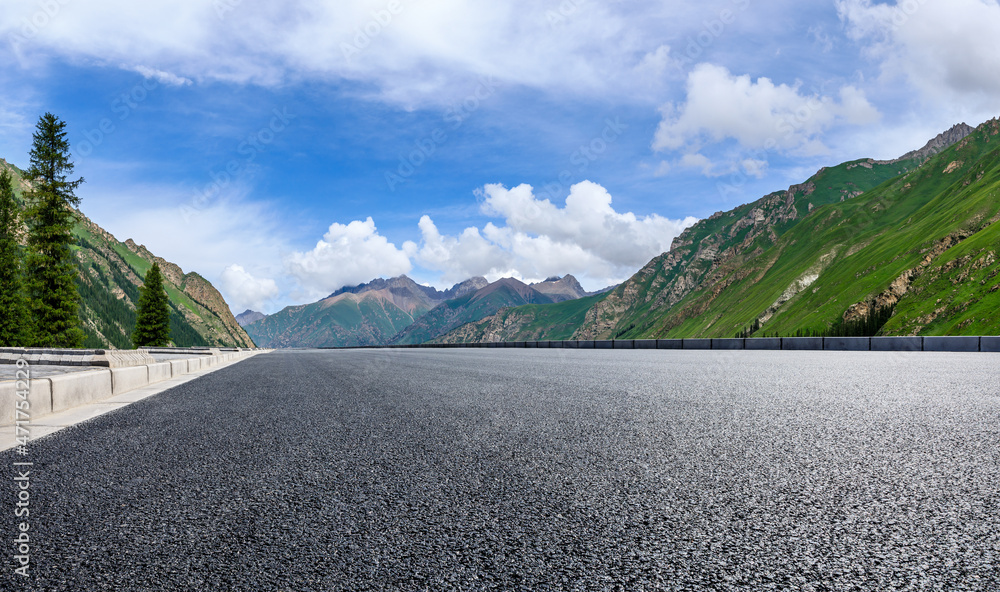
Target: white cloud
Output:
{"points": [[159, 75], [454, 257], [348, 254], [697, 161], [211, 240], [537, 238], [756, 113], [246, 291], [412, 51], [948, 51]]}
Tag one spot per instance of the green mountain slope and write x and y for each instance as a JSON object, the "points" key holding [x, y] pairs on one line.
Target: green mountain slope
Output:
{"points": [[531, 322], [110, 275], [861, 234], [483, 303], [354, 320], [369, 314]]}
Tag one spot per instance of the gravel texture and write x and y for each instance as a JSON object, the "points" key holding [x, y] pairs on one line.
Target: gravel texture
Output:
{"points": [[531, 470]]}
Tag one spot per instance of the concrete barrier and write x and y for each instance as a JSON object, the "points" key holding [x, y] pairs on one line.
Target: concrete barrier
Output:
{"points": [[801, 343], [669, 344], [624, 344], [39, 399], [989, 344], [64, 391], [159, 372], [178, 367], [587, 344], [604, 344], [78, 388], [847, 343], [951, 344], [644, 344], [897, 344], [762, 343], [126, 379], [728, 343], [697, 343]]}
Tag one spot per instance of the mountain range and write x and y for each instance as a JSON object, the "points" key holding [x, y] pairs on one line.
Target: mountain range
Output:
{"points": [[917, 234], [110, 274], [399, 311]]}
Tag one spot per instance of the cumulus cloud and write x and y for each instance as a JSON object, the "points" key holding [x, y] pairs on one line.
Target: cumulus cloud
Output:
{"points": [[246, 291], [756, 113], [455, 256], [347, 255], [949, 51], [587, 237]]}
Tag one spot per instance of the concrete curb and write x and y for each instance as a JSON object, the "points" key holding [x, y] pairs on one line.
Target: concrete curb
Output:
{"points": [[61, 392]]}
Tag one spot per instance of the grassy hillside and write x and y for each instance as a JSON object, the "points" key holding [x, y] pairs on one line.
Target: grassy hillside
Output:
{"points": [[365, 319], [896, 244], [531, 322], [110, 273], [919, 236]]}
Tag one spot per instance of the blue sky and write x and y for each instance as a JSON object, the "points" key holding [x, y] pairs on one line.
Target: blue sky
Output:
{"points": [[283, 150]]}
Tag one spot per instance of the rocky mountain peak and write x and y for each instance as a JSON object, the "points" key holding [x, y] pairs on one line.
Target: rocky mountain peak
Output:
{"points": [[941, 142], [249, 316]]}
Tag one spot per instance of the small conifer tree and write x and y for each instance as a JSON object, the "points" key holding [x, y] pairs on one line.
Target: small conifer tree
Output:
{"points": [[152, 324]]}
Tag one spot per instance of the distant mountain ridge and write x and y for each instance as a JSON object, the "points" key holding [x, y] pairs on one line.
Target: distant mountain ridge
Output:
{"points": [[561, 289], [400, 311], [919, 233], [249, 316], [503, 293]]}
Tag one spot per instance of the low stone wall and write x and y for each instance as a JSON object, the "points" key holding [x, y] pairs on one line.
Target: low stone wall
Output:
{"points": [[111, 375]]}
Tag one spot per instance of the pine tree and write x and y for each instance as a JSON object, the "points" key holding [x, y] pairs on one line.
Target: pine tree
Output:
{"points": [[152, 323], [13, 305], [52, 269]]}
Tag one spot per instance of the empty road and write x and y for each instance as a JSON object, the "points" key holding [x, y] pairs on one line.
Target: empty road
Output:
{"points": [[530, 470]]}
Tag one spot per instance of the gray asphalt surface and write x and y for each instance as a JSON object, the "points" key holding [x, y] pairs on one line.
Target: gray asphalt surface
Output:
{"points": [[531, 470]]}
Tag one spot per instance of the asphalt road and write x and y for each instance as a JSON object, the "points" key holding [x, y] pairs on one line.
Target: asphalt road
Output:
{"points": [[530, 470]]}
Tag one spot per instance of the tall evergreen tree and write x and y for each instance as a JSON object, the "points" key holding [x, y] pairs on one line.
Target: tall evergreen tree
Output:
{"points": [[14, 320], [52, 269], [152, 323]]}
